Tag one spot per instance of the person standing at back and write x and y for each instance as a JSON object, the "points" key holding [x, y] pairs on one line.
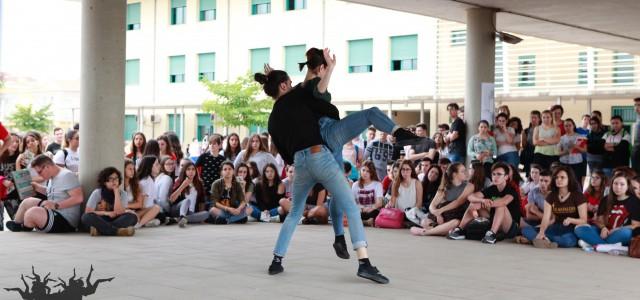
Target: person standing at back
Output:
{"points": [[457, 136], [635, 154]]}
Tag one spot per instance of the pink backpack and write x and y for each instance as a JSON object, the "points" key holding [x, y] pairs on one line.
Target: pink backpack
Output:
{"points": [[390, 218]]}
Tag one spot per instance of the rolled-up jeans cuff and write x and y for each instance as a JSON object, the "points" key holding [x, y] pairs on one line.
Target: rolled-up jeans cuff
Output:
{"points": [[360, 244]]}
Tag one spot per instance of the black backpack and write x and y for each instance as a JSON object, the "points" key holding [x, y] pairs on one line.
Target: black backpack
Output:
{"points": [[477, 228]]}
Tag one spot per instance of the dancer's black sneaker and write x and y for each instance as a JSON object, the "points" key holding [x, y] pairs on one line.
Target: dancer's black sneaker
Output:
{"points": [[370, 272], [276, 266], [405, 137], [341, 250]]}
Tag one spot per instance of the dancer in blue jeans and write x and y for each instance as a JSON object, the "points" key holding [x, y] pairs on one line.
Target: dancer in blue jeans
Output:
{"points": [[335, 133], [302, 145]]}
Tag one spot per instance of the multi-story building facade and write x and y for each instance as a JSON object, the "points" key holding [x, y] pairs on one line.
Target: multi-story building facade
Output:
{"points": [[408, 65]]}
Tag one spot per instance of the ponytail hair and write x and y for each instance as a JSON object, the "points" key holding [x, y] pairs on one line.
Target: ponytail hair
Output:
{"points": [[315, 58], [271, 82]]}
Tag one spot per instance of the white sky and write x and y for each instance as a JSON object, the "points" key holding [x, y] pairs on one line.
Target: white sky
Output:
{"points": [[41, 38]]}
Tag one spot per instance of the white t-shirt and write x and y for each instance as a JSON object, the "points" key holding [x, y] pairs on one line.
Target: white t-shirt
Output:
{"points": [[71, 162], [367, 195], [502, 137], [148, 188], [163, 185]]}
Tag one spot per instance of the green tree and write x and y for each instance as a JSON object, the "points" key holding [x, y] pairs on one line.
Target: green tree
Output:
{"points": [[238, 103], [25, 118]]}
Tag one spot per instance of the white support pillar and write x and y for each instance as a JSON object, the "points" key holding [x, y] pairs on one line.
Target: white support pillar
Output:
{"points": [[480, 62], [422, 111], [390, 111], [101, 88]]}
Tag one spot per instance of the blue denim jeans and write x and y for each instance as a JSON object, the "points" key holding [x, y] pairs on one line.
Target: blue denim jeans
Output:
{"points": [[336, 133], [320, 167], [591, 235], [255, 212], [563, 235], [511, 158]]}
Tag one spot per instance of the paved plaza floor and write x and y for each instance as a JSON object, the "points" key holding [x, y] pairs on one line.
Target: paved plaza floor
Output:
{"points": [[230, 262]]}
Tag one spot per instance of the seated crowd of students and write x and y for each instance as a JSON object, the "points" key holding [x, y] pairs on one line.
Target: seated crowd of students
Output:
{"points": [[232, 181]]}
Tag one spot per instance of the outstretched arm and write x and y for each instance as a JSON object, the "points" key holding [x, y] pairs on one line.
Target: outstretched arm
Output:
{"points": [[325, 73]]}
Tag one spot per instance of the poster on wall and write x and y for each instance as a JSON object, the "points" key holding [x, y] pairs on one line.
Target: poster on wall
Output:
{"points": [[487, 104]]}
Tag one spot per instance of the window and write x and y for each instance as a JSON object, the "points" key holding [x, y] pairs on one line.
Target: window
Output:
{"points": [[259, 7], [360, 56], [582, 68], [133, 16], [293, 55], [206, 66], [404, 52], [130, 126], [176, 69], [458, 37], [259, 57], [205, 126], [526, 70], [623, 70], [296, 4], [207, 10], [175, 124], [178, 11], [628, 114], [499, 70], [132, 72]]}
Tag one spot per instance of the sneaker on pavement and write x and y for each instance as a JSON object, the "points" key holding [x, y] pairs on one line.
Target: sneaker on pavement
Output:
{"points": [[372, 273], [585, 246], [489, 237], [153, 223], [456, 234], [93, 231], [127, 231], [544, 244], [264, 216], [183, 222], [251, 219], [612, 248], [405, 137], [15, 227], [274, 219]]}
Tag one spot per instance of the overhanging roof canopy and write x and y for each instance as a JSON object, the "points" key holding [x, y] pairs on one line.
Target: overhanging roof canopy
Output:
{"points": [[610, 24]]}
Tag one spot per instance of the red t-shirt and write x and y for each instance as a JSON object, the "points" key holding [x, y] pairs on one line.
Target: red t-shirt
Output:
{"points": [[561, 126], [386, 182], [3, 132]]}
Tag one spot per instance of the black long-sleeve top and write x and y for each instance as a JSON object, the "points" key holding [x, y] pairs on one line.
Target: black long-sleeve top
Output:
{"points": [[293, 123]]}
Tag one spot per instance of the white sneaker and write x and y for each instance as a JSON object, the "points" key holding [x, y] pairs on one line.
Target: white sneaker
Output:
{"points": [[585, 246], [137, 226], [251, 219], [614, 249], [153, 223], [300, 221], [265, 217], [275, 219], [183, 222]]}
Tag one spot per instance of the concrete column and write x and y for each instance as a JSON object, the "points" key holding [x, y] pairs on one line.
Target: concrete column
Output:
{"points": [[101, 88], [480, 61]]}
